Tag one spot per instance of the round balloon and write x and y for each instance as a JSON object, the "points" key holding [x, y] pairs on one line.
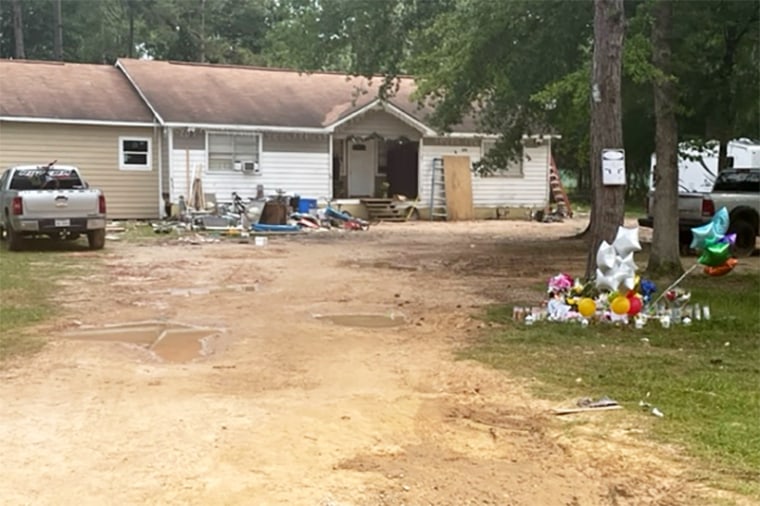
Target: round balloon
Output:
{"points": [[634, 306], [586, 307], [620, 305]]}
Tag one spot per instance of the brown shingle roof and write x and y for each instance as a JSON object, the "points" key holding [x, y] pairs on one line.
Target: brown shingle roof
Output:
{"points": [[191, 93], [68, 91]]}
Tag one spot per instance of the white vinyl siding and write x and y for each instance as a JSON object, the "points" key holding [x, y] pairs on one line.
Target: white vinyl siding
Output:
{"points": [[297, 164], [514, 169], [532, 189], [130, 194]]}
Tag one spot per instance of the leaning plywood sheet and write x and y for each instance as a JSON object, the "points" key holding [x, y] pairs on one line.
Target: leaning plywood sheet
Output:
{"points": [[458, 183]]}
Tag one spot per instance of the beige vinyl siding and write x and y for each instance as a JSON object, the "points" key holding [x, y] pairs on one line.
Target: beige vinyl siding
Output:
{"points": [[130, 194], [527, 191], [380, 123]]}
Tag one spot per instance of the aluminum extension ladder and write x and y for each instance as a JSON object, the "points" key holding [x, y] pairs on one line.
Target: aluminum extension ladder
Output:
{"points": [[438, 208]]}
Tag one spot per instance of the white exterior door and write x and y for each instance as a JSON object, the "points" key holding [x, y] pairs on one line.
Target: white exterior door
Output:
{"points": [[362, 165]]}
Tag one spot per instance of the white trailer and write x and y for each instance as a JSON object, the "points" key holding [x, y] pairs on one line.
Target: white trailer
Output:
{"points": [[698, 164], [743, 154]]}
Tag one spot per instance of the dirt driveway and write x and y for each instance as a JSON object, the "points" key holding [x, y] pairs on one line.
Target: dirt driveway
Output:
{"points": [[293, 409]]}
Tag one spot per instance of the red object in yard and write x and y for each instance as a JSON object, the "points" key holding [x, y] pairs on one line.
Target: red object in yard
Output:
{"points": [[18, 206]]}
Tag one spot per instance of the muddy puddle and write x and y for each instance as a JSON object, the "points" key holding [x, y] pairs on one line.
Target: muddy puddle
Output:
{"points": [[365, 320], [169, 342]]}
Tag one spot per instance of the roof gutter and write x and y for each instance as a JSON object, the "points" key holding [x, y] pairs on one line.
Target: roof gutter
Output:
{"points": [[139, 92], [248, 128], [67, 121]]}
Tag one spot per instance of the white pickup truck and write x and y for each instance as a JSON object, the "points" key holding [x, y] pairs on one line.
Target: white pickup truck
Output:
{"points": [[50, 200], [738, 190]]}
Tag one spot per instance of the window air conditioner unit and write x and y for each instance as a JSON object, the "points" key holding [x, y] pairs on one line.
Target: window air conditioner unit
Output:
{"points": [[251, 167]]}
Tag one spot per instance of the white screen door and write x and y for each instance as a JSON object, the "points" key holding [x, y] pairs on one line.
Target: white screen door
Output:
{"points": [[362, 164]]}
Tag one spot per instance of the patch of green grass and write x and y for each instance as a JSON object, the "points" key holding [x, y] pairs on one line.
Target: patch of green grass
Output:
{"points": [[27, 285], [704, 377], [140, 232]]}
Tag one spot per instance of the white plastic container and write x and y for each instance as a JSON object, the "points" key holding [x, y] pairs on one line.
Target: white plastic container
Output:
{"points": [[260, 240]]}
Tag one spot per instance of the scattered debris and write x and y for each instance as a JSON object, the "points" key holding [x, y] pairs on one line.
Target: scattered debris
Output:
{"points": [[656, 412], [197, 239], [587, 404]]}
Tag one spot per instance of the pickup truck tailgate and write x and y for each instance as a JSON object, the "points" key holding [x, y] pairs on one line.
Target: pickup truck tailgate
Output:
{"points": [[690, 206], [47, 203]]}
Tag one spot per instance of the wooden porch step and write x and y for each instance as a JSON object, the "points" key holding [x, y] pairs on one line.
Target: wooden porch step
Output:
{"points": [[384, 210]]}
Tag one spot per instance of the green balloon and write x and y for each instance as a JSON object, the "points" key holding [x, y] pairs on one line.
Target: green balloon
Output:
{"points": [[715, 254]]}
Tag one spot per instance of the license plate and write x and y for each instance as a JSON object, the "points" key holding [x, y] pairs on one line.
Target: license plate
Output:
{"points": [[62, 223]]}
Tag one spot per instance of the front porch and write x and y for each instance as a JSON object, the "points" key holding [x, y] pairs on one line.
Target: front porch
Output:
{"points": [[376, 155]]}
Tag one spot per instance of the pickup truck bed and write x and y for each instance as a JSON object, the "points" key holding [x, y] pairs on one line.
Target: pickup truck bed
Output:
{"points": [[52, 201]]}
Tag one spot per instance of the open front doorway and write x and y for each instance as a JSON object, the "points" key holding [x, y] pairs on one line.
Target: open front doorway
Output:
{"points": [[376, 167], [402, 173]]}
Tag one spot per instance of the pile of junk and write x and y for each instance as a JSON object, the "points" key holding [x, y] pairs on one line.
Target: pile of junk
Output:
{"points": [[278, 213]]}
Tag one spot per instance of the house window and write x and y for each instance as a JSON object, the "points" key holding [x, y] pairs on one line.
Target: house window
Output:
{"points": [[514, 167], [228, 152], [134, 153]]}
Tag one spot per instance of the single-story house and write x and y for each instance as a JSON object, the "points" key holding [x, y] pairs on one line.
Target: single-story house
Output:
{"points": [[83, 115], [240, 129]]}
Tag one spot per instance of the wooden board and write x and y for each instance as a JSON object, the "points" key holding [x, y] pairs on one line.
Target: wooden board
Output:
{"points": [[570, 411], [458, 181]]}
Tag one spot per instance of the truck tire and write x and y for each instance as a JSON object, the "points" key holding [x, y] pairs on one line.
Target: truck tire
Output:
{"points": [[15, 240], [96, 238], [745, 237]]}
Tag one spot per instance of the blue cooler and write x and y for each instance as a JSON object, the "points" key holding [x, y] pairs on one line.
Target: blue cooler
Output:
{"points": [[305, 205]]}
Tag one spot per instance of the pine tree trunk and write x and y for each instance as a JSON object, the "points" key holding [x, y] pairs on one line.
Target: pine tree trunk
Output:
{"points": [[58, 39], [664, 259], [18, 29], [607, 202]]}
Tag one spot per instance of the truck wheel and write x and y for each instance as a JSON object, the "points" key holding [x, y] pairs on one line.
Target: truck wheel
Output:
{"points": [[745, 237], [15, 240], [96, 238]]}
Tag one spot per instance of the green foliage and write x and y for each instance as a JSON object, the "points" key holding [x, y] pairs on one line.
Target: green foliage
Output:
{"points": [[703, 377], [219, 31]]}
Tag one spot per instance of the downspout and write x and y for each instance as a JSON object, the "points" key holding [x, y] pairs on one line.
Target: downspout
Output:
{"points": [[330, 167], [160, 169], [170, 135]]}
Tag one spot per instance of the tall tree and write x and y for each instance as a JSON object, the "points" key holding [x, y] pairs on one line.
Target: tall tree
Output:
{"points": [[608, 202], [18, 29], [58, 33], [664, 258]]}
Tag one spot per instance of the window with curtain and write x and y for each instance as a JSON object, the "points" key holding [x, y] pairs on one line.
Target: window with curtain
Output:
{"points": [[224, 150]]}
